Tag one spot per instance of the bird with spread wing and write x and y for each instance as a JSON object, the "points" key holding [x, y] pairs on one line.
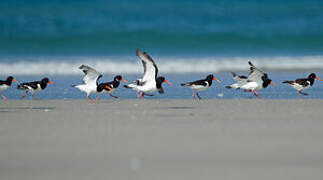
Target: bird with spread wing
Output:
{"points": [[255, 81], [90, 81], [149, 82]]}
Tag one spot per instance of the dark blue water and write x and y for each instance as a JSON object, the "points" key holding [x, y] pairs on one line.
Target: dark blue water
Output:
{"points": [[188, 39], [63, 89], [165, 27]]}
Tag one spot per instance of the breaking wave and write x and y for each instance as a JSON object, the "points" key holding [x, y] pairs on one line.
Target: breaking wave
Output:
{"points": [[68, 66]]}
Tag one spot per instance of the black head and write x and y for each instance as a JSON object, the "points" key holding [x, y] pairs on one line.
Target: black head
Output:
{"points": [[117, 78], [46, 80], [266, 81], [312, 76], [10, 79], [161, 80], [209, 77]]}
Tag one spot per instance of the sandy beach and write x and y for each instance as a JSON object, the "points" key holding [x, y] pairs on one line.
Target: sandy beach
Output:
{"points": [[161, 139]]}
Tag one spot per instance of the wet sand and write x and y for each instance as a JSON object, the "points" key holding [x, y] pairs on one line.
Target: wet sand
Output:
{"points": [[161, 139]]}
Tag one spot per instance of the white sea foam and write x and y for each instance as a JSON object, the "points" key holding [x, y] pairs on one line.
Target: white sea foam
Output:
{"points": [[121, 65]]}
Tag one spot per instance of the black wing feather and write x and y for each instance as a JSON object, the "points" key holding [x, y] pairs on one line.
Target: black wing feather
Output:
{"points": [[2, 82], [198, 82], [30, 84], [303, 82]]}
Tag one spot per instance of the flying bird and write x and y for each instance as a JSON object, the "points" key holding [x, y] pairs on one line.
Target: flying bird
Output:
{"points": [[33, 87], [149, 82], [240, 81], [200, 85], [90, 81], [255, 81]]}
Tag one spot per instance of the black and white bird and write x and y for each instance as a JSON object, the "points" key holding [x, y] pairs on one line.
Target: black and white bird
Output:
{"points": [[200, 85], [5, 84], [304, 83], [109, 87], [240, 81], [33, 87], [255, 81], [149, 82], [90, 81]]}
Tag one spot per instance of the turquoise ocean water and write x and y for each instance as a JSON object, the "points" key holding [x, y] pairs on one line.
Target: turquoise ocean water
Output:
{"points": [[187, 38]]}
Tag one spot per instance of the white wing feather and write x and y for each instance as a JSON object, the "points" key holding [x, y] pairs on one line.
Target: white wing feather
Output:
{"points": [[91, 75], [240, 81], [251, 86], [150, 68], [255, 74]]}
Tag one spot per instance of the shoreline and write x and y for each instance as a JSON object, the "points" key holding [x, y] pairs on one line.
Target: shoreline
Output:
{"points": [[237, 108]]}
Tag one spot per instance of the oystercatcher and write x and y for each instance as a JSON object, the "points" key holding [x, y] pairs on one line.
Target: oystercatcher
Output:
{"points": [[33, 87], [109, 87], [90, 82], [5, 84], [304, 83], [149, 82], [240, 81], [200, 85], [255, 81]]}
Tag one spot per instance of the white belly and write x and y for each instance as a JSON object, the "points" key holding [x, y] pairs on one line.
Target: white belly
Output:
{"points": [[235, 86], [251, 86], [147, 87], [199, 87], [88, 89], [3, 87], [38, 88], [300, 87]]}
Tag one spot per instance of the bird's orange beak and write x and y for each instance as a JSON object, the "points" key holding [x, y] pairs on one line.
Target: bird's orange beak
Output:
{"points": [[51, 82], [274, 84], [15, 81], [167, 82], [124, 80], [108, 87], [215, 79], [316, 77]]}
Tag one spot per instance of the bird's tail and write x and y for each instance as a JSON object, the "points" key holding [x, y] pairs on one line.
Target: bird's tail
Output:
{"points": [[233, 86], [131, 86], [184, 84], [80, 87], [20, 87], [288, 82]]}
